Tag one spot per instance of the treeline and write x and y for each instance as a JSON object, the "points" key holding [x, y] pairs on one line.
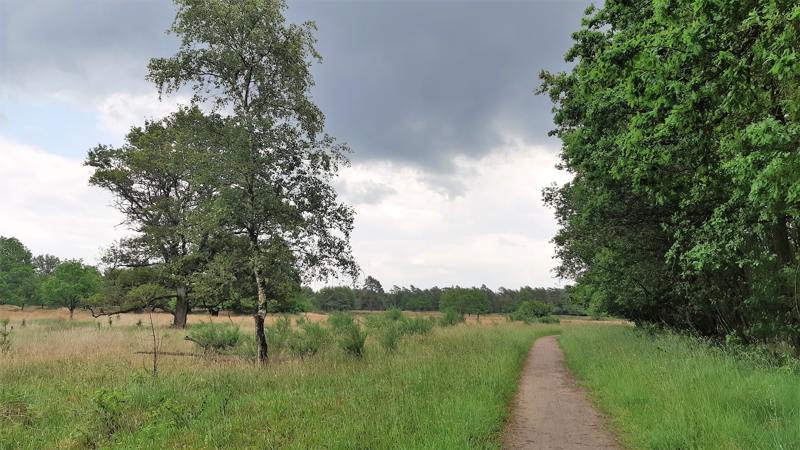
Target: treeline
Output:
{"points": [[680, 122], [463, 300], [46, 280]]}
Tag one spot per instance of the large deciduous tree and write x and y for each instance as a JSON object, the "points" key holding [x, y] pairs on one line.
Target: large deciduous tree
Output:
{"points": [[272, 179], [680, 123], [153, 177]]}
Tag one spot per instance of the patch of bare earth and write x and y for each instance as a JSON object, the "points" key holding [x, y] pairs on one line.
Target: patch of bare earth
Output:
{"points": [[550, 411]]}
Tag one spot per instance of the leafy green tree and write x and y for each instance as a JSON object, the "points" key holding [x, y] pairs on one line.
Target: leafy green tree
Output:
{"points": [[153, 179], [17, 279], [71, 284], [464, 300], [272, 177], [339, 298], [371, 296], [679, 122]]}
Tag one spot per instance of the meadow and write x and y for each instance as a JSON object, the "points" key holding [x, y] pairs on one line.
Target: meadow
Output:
{"points": [[671, 391], [81, 384]]}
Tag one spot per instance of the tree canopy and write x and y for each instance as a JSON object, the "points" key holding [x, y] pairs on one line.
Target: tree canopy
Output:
{"points": [[679, 122]]}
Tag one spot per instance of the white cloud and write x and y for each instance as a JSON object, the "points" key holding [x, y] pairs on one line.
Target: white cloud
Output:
{"points": [[121, 110], [495, 231], [48, 204]]}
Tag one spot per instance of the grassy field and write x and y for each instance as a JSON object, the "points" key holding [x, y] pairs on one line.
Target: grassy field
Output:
{"points": [[74, 385], [674, 392]]}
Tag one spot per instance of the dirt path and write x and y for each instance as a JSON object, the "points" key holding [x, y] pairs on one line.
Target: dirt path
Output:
{"points": [[550, 411]]}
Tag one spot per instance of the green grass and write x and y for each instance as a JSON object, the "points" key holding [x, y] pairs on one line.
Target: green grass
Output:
{"points": [[674, 392], [447, 389]]}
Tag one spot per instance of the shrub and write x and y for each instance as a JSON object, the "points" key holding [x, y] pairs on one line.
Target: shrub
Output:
{"points": [[450, 317], [549, 319], [214, 338], [417, 325], [353, 340], [340, 321], [308, 340], [389, 336], [278, 335], [393, 314], [531, 311]]}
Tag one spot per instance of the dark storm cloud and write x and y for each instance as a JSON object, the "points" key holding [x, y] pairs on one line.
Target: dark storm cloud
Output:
{"points": [[84, 48], [420, 82], [410, 82]]}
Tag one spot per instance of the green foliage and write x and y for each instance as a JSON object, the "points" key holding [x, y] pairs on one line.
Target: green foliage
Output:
{"points": [[393, 314], [415, 325], [465, 301], [533, 311], [389, 336], [214, 338], [340, 321], [71, 284], [353, 339], [17, 281], [680, 123], [339, 298], [309, 339], [451, 317]]}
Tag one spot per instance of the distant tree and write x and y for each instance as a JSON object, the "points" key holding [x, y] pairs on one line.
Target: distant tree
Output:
{"points": [[464, 300], [43, 267], [371, 296], [339, 298], [17, 279], [71, 284], [272, 178]]}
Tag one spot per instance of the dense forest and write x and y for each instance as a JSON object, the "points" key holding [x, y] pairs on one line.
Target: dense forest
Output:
{"points": [[680, 122]]}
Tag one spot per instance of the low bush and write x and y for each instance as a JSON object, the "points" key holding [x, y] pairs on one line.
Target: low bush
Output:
{"points": [[308, 339], [389, 336], [393, 314], [451, 317], [416, 325], [352, 340], [532, 311], [214, 338], [279, 334], [340, 322]]}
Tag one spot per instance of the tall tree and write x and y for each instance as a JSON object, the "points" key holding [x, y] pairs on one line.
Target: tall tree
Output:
{"points": [[371, 295], [71, 284], [153, 179], [273, 178], [17, 283], [680, 124]]}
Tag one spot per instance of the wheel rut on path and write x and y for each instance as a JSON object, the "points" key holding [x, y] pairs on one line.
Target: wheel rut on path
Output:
{"points": [[550, 411]]}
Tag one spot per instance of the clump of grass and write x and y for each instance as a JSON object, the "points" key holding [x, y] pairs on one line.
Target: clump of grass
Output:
{"points": [[353, 340], [417, 325], [393, 314], [389, 337], [5, 336], [665, 390], [308, 340], [451, 317], [214, 338], [340, 321]]}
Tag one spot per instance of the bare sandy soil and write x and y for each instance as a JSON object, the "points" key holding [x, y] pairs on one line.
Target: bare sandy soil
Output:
{"points": [[550, 411]]}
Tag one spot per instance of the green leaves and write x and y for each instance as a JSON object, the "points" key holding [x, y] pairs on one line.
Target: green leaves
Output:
{"points": [[680, 123]]}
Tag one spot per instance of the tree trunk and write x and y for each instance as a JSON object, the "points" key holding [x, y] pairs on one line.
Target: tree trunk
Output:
{"points": [[261, 313], [213, 311], [181, 308], [71, 311]]}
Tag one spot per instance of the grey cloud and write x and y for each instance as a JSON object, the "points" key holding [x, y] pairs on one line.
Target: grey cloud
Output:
{"points": [[365, 192], [411, 82]]}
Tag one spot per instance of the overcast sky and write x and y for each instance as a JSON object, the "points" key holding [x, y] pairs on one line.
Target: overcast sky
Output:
{"points": [[450, 146]]}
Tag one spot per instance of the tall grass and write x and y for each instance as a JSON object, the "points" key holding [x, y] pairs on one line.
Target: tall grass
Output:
{"points": [[446, 389], [674, 392]]}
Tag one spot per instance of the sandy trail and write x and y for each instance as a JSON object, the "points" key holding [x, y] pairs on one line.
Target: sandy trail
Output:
{"points": [[550, 411]]}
